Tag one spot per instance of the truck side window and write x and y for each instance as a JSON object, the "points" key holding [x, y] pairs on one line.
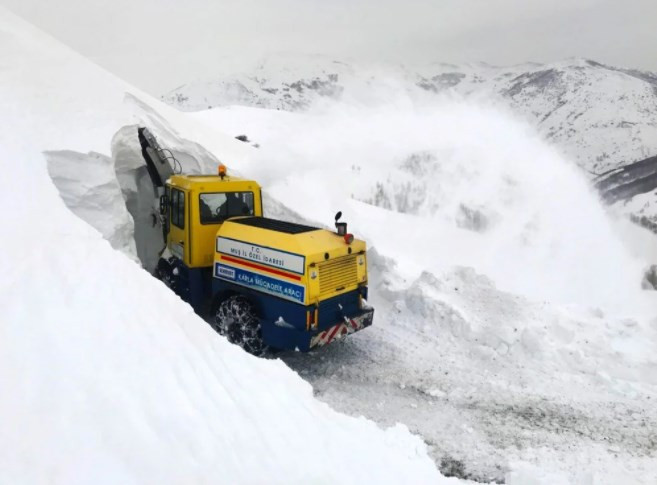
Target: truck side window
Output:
{"points": [[216, 207], [178, 208]]}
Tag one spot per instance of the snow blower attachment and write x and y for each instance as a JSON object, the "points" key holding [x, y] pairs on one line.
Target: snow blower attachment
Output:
{"points": [[157, 159], [158, 163], [261, 282]]}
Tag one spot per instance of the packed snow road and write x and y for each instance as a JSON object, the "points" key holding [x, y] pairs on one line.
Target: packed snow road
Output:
{"points": [[489, 379], [478, 422], [475, 434]]}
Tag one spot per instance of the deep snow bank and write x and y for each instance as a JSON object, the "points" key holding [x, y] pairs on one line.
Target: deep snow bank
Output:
{"points": [[68, 106], [107, 377], [88, 185], [512, 342]]}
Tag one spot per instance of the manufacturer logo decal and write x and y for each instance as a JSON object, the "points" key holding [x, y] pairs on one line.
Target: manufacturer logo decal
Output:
{"points": [[226, 272]]}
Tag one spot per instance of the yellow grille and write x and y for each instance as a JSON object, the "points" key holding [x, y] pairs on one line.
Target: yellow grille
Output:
{"points": [[337, 274]]}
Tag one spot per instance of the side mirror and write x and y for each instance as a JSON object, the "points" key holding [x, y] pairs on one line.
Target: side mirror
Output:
{"points": [[164, 204], [338, 216]]}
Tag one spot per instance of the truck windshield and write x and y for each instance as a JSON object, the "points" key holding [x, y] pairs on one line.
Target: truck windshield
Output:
{"points": [[216, 207]]}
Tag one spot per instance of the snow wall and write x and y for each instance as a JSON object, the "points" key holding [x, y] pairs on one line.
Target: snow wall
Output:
{"points": [[107, 377]]}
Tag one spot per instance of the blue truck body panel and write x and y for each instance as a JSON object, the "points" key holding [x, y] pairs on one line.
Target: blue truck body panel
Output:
{"points": [[193, 285], [283, 321]]}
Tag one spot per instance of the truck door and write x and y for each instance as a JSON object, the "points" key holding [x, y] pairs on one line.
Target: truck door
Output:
{"points": [[178, 239]]}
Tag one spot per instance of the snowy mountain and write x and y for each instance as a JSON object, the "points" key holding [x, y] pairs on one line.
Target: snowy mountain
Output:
{"points": [[598, 115], [601, 117], [511, 336], [275, 83]]}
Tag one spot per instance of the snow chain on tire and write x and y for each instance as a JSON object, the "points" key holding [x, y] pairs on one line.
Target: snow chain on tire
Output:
{"points": [[237, 320]]}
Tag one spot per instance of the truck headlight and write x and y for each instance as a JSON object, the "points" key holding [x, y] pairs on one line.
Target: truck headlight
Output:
{"points": [[313, 274], [361, 260]]}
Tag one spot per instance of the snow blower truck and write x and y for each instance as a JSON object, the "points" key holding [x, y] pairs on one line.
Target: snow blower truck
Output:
{"points": [[261, 282]]}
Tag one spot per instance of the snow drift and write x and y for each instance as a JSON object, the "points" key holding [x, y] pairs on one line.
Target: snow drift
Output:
{"points": [[108, 377]]}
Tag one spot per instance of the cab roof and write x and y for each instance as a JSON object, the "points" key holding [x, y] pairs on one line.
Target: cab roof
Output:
{"points": [[211, 182]]}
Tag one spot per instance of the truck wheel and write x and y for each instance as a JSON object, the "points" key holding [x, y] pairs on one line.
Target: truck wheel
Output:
{"points": [[237, 320], [166, 272]]}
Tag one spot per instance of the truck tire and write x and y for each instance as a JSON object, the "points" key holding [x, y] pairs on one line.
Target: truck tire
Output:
{"points": [[237, 320], [164, 272]]}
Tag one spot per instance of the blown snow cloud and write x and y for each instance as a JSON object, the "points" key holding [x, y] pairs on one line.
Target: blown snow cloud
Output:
{"points": [[482, 189]]}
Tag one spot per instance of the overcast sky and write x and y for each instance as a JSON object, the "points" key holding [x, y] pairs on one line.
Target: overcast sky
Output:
{"points": [[159, 44]]}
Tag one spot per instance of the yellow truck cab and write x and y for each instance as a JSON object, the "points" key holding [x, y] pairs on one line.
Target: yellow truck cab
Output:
{"points": [[262, 282], [199, 205]]}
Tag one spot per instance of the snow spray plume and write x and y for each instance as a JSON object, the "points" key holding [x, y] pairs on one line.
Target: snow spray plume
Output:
{"points": [[482, 188]]}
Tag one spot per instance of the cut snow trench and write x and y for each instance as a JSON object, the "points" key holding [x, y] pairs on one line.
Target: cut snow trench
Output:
{"points": [[115, 194], [89, 187]]}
